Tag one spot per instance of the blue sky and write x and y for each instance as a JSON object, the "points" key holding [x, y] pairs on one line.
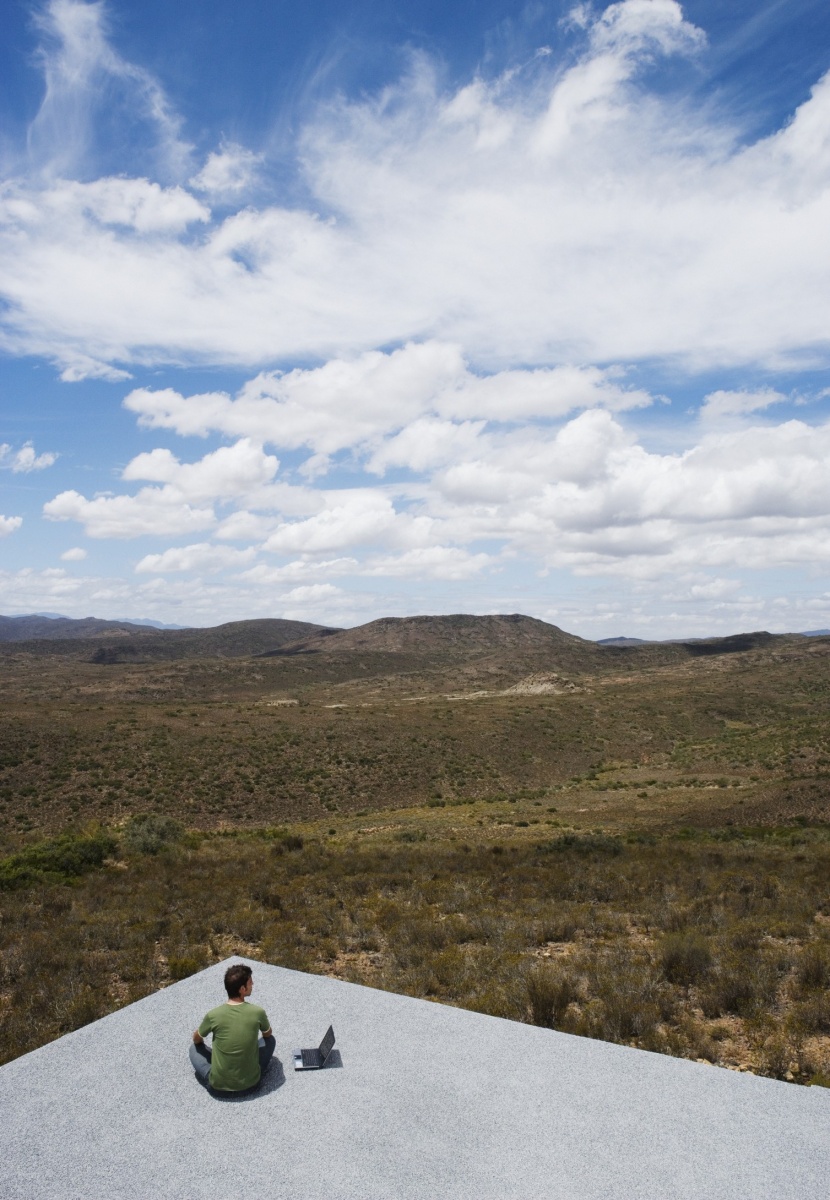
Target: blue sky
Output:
{"points": [[338, 311]]}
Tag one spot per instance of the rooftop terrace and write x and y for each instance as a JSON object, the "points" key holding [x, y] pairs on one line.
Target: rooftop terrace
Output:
{"points": [[426, 1101]]}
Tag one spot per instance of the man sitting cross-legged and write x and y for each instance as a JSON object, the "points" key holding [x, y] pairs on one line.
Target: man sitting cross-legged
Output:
{"points": [[238, 1056]]}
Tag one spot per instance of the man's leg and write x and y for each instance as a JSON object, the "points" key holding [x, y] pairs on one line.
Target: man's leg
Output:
{"points": [[200, 1058], [266, 1047]]}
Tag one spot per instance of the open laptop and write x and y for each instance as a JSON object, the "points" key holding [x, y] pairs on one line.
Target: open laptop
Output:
{"points": [[313, 1060]]}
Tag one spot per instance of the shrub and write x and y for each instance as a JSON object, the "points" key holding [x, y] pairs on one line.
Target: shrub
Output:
{"points": [[627, 999], [813, 1015], [685, 957], [550, 991], [740, 985], [58, 859], [147, 833], [181, 966], [813, 969], [584, 843]]}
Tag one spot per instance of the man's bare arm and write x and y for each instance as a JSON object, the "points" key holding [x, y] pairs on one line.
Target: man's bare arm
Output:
{"points": [[197, 1038], [268, 1032]]}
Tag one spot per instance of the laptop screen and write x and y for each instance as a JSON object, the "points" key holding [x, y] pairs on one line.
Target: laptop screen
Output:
{"points": [[327, 1043]]}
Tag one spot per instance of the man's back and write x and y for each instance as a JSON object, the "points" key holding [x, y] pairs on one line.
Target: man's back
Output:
{"points": [[234, 1058]]}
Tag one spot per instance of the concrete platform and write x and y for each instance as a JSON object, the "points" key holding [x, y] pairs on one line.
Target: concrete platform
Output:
{"points": [[429, 1102]]}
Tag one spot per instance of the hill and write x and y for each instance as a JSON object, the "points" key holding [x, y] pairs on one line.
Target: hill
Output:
{"points": [[462, 652], [107, 643], [36, 626]]}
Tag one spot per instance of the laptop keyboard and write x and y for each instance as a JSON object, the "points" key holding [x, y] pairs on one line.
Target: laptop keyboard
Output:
{"points": [[311, 1058]]}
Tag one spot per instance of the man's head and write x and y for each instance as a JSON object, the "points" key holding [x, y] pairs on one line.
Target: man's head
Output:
{"points": [[236, 979]]}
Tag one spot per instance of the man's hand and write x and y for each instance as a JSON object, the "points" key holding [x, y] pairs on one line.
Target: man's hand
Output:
{"points": [[268, 1033], [197, 1038]]}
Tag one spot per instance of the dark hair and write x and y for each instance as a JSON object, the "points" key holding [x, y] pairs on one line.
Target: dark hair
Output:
{"points": [[236, 977]]}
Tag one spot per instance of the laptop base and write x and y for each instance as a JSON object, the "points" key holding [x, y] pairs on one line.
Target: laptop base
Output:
{"points": [[299, 1065]]}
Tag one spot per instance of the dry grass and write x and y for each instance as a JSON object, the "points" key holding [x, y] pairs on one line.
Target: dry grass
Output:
{"points": [[643, 859], [711, 949]]}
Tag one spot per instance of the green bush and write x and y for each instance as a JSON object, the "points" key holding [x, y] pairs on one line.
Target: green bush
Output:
{"points": [[147, 833], [584, 843], [58, 859]]}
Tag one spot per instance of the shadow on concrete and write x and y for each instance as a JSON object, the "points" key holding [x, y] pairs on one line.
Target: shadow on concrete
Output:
{"points": [[272, 1080]]}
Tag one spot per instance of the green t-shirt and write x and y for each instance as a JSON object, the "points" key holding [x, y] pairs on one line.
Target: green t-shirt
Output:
{"points": [[234, 1056]]}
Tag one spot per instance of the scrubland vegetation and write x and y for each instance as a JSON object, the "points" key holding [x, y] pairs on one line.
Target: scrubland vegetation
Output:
{"points": [[643, 858], [703, 945]]}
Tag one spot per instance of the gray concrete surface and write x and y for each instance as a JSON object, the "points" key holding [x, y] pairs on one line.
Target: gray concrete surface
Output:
{"points": [[427, 1102]]}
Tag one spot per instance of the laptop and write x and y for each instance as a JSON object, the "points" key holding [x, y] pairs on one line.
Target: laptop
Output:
{"points": [[313, 1060]]}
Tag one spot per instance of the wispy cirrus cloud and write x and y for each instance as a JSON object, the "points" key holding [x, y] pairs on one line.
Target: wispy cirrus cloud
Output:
{"points": [[571, 217], [469, 283], [83, 76]]}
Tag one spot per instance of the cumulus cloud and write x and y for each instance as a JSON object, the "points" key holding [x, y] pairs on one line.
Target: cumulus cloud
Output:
{"points": [[202, 556], [357, 517], [569, 218], [25, 459], [9, 525], [158, 511], [227, 171], [425, 392], [505, 241], [738, 404], [231, 472], [178, 599], [429, 562], [591, 498], [236, 470], [300, 570], [74, 554]]}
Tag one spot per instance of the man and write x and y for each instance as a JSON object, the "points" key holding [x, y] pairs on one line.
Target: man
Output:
{"points": [[238, 1056]]}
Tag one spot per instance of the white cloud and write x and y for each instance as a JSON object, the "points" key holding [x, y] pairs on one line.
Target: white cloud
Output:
{"points": [[416, 391], [231, 472], [25, 459], [78, 366], [592, 499], [178, 599], [202, 556], [738, 404], [311, 593], [429, 562], [159, 511], [82, 72], [227, 171], [132, 204], [509, 240], [237, 470], [9, 525], [300, 570], [582, 220], [426, 443], [358, 517], [75, 554]]}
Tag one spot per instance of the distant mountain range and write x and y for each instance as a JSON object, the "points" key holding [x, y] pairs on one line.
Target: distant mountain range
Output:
{"points": [[124, 641], [458, 652], [114, 620]]}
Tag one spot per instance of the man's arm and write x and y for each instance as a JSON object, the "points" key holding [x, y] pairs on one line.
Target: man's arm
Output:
{"points": [[197, 1038], [268, 1032]]}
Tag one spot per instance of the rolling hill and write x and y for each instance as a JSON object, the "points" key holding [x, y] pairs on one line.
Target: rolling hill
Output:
{"points": [[107, 643]]}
